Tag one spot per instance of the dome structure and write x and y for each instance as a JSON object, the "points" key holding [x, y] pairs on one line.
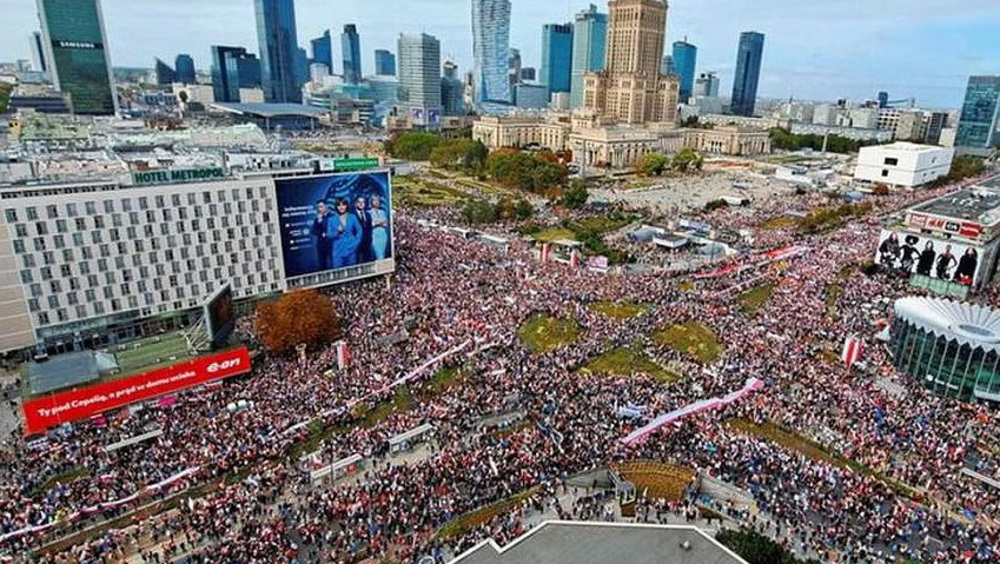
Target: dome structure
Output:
{"points": [[952, 347]]}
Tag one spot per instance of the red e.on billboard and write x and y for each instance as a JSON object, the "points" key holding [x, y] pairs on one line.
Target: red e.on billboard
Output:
{"points": [[44, 413]]}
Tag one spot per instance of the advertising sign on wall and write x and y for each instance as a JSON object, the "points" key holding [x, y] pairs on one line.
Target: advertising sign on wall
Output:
{"points": [[910, 253], [337, 222], [54, 410]]}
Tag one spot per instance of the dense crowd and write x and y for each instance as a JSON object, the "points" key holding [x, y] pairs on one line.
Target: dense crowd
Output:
{"points": [[256, 503]]}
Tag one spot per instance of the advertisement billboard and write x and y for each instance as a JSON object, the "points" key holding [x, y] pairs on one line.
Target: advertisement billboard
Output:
{"points": [[335, 227], [54, 410], [910, 253], [219, 315]]}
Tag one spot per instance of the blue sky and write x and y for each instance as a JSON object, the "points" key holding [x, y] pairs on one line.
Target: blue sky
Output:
{"points": [[822, 49]]}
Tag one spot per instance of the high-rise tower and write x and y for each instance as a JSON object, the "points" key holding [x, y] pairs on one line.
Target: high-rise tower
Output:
{"points": [[279, 49], [490, 50], [748, 59]]}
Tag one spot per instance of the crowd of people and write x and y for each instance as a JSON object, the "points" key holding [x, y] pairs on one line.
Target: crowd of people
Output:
{"points": [[246, 494]]}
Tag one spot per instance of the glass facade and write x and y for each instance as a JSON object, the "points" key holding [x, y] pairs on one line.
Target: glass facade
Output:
{"points": [[946, 367], [420, 78], [385, 63], [557, 57], [184, 67], [590, 31], [73, 33], [685, 59], [165, 75], [322, 50], [350, 43], [980, 118], [233, 68], [748, 59], [279, 51], [490, 50]]}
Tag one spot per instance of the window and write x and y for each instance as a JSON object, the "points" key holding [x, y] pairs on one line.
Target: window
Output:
{"points": [[32, 213], [81, 311], [159, 201], [61, 226], [43, 318], [51, 211], [127, 205], [78, 239], [885, 173], [26, 277], [55, 287], [67, 255], [39, 244], [109, 206], [53, 302], [143, 202], [175, 200], [891, 161], [81, 224], [33, 305], [99, 308], [42, 228], [71, 210], [11, 215], [29, 261], [90, 207], [59, 241], [65, 271], [21, 230]]}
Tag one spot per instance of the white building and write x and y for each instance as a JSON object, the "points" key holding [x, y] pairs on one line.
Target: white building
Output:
{"points": [[903, 165]]}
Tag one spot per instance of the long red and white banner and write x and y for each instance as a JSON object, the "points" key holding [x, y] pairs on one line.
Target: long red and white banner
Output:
{"points": [[51, 411], [853, 347], [641, 433]]}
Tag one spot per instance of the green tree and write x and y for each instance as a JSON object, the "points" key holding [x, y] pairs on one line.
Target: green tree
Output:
{"points": [[478, 210], [652, 164], [5, 90], [523, 209], [686, 159], [413, 145], [755, 548], [576, 195], [524, 171]]}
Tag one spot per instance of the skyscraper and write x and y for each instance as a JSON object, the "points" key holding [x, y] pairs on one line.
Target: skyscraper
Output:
{"points": [[322, 50], [979, 122], [490, 50], [278, 42], [452, 90], [37, 48], [748, 59], [513, 70], [301, 66], [631, 88], [706, 85], [164, 74], [589, 39], [420, 78], [385, 63], [75, 49], [667, 67], [184, 66], [350, 44], [557, 57], [685, 57], [233, 68]]}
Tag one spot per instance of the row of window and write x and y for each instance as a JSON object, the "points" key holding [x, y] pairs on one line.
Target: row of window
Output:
{"points": [[71, 209], [41, 244]]}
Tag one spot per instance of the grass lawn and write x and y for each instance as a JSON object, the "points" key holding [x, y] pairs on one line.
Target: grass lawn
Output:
{"points": [[424, 194], [628, 362], [555, 234], [156, 351], [543, 333], [693, 338], [602, 224], [618, 310], [656, 480], [442, 380], [468, 521], [831, 294], [753, 299], [783, 223]]}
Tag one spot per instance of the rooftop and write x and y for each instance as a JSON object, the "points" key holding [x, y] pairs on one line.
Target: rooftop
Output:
{"points": [[904, 146], [980, 203], [576, 542], [271, 110]]}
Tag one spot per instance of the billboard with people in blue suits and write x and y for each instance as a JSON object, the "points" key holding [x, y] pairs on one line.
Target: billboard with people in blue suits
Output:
{"points": [[337, 223]]}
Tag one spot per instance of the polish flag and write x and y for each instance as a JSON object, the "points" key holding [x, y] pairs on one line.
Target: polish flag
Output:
{"points": [[343, 355], [574, 259], [853, 348]]}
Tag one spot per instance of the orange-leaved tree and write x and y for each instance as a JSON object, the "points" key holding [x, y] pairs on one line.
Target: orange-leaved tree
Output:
{"points": [[300, 317]]}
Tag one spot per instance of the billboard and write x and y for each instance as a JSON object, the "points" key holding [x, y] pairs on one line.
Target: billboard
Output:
{"points": [[54, 410], [910, 253], [335, 227], [219, 315]]}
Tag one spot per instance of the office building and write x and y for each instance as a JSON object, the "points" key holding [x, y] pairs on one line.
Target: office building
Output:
{"points": [[37, 49], [685, 60], [531, 96], [452, 90], [75, 50], [557, 57], [902, 164], [165, 75], [748, 60], [883, 99], [301, 66], [322, 51], [631, 88], [529, 74], [514, 68], [232, 69], [420, 79], [279, 51], [706, 85], [491, 50], [184, 67], [590, 30], [979, 121], [667, 67], [350, 44], [385, 63]]}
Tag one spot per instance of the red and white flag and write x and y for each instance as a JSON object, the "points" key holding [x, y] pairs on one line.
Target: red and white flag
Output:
{"points": [[546, 252], [853, 347], [574, 259], [343, 355]]}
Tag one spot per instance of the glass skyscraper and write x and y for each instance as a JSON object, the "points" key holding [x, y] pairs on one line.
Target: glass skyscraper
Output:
{"points": [[979, 122], [590, 31], [557, 57], [452, 91], [420, 79], [685, 60], [322, 50], [490, 50], [350, 44], [748, 59], [165, 75], [233, 68], [184, 66], [385, 63], [76, 54], [278, 42]]}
